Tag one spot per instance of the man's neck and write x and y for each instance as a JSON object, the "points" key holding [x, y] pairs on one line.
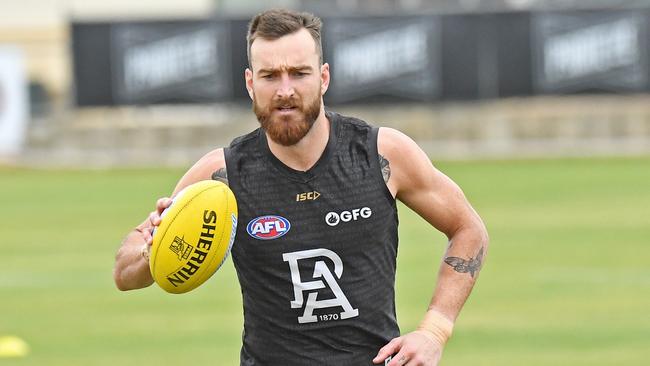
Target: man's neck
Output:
{"points": [[304, 155]]}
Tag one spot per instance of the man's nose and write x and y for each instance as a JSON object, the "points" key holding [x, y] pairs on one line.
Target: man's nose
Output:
{"points": [[285, 89]]}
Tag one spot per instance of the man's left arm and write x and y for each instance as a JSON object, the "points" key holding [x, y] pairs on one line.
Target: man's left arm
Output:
{"points": [[412, 178]]}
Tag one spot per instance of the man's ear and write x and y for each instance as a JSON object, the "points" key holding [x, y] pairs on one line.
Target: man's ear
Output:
{"points": [[248, 75], [324, 78]]}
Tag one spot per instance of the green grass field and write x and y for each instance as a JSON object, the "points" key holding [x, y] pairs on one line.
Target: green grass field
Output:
{"points": [[566, 282]]}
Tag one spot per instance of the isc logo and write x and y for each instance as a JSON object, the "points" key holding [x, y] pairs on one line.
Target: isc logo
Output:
{"points": [[268, 227], [307, 196]]}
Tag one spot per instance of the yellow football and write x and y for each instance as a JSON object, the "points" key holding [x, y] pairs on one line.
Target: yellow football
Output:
{"points": [[194, 237]]}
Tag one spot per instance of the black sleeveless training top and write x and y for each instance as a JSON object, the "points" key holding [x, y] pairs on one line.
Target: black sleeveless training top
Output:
{"points": [[315, 251]]}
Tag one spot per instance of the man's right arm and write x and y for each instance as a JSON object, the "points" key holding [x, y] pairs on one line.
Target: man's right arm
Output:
{"points": [[131, 269], [131, 265]]}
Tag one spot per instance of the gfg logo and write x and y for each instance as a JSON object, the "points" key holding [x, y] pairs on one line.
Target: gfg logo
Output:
{"points": [[333, 218]]}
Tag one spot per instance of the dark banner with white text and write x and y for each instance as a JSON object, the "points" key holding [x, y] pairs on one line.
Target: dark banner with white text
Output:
{"points": [[425, 58], [590, 52]]}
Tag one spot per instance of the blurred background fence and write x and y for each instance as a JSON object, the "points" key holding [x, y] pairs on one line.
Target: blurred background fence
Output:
{"points": [[161, 82]]}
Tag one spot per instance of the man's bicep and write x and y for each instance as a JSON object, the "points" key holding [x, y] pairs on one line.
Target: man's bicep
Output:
{"points": [[437, 199], [422, 187]]}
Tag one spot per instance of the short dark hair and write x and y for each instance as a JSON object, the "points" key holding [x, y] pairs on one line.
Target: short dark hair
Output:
{"points": [[275, 23]]}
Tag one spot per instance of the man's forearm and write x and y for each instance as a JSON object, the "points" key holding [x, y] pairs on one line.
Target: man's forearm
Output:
{"points": [[458, 273], [459, 270], [131, 267]]}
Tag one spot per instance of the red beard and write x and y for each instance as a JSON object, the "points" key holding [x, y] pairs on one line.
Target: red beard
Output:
{"points": [[287, 129]]}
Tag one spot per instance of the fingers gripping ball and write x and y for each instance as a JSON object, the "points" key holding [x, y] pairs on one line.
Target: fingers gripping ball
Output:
{"points": [[194, 237]]}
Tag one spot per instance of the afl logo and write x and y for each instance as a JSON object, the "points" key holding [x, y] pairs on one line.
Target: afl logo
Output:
{"points": [[268, 227]]}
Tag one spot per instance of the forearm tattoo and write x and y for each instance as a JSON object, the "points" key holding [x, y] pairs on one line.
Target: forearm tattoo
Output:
{"points": [[385, 167], [221, 175], [471, 265]]}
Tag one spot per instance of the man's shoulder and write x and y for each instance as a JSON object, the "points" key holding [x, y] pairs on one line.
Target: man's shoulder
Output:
{"points": [[349, 122], [347, 119], [245, 140]]}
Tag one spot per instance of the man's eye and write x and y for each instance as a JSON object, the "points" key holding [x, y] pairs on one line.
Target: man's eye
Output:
{"points": [[299, 73], [268, 76]]}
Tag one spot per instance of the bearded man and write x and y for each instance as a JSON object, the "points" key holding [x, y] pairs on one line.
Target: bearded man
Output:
{"points": [[324, 292]]}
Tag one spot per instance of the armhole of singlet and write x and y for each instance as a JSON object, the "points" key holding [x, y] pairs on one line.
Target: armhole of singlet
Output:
{"points": [[374, 146], [231, 173]]}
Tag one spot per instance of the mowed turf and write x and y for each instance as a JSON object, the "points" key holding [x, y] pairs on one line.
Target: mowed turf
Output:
{"points": [[566, 282]]}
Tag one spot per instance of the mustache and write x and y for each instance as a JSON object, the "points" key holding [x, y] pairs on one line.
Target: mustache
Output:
{"points": [[285, 102]]}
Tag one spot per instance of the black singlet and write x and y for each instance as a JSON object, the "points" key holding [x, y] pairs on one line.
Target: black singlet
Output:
{"points": [[315, 251]]}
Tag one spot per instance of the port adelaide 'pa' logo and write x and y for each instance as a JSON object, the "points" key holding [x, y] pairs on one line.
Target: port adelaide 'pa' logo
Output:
{"points": [[268, 227]]}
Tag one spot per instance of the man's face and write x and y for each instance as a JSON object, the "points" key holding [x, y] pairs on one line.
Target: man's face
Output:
{"points": [[286, 84]]}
